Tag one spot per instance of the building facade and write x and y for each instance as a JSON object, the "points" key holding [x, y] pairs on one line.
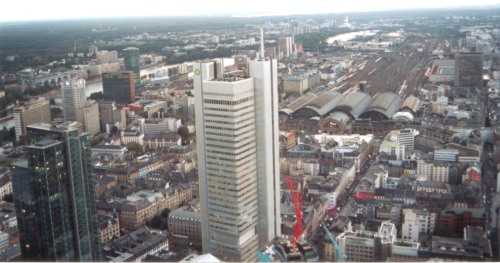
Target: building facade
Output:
{"points": [[73, 93], [54, 195], [238, 161], [89, 117], [30, 113], [118, 87], [131, 61], [469, 69], [416, 221]]}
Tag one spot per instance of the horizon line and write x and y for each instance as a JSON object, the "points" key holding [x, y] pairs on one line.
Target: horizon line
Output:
{"points": [[254, 14]]}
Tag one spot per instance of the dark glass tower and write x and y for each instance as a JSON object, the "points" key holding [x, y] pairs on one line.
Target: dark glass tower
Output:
{"points": [[119, 87], [54, 196], [469, 69], [131, 61]]}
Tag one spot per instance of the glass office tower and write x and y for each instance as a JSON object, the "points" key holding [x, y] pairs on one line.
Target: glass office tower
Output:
{"points": [[54, 196], [131, 61]]}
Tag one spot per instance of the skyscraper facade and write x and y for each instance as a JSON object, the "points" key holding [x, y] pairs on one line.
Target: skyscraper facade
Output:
{"points": [[30, 113], [118, 87], [54, 196], [237, 135], [131, 61], [89, 117], [469, 69], [73, 93]]}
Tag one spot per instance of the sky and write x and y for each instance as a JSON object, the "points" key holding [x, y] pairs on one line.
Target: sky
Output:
{"points": [[16, 10]]}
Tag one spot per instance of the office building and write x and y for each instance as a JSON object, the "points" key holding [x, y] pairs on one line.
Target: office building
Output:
{"points": [[131, 60], [469, 69], [105, 56], [441, 172], [417, 221], [406, 137], [111, 116], [446, 155], [118, 87], [88, 115], [238, 165], [31, 112], [54, 196], [285, 47], [73, 93], [368, 246]]}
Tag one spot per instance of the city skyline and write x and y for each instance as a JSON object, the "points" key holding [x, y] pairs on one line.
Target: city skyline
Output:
{"points": [[41, 11]]}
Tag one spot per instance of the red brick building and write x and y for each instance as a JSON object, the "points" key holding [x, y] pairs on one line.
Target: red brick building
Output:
{"points": [[455, 219]]}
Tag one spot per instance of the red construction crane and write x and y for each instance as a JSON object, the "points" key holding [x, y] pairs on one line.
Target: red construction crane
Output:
{"points": [[297, 203]]}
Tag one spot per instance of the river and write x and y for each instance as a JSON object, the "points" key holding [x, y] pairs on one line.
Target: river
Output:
{"points": [[350, 36], [97, 86]]}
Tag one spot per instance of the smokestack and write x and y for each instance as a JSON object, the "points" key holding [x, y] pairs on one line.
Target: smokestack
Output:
{"points": [[262, 43]]}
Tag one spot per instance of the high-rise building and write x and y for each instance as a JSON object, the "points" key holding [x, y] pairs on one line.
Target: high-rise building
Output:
{"points": [[406, 137], [73, 93], [54, 196], [31, 112], [118, 87], [285, 47], [238, 146], [88, 115], [131, 60], [111, 116], [469, 69]]}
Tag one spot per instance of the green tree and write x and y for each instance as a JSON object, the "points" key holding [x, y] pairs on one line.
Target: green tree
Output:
{"points": [[55, 113], [135, 147], [114, 131], [183, 131], [96, 96]]}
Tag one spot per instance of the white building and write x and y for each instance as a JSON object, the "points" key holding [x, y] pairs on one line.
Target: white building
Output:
{"points": [[393, 148], [424, 169], [132, 135], [416, 221], [73, 95], [311, 167], [173, 124], [406, 137], [346, 174], [238, 162]]}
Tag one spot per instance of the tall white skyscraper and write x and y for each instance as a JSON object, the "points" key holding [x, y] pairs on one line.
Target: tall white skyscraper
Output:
{"points": [[73, 93], [238, 166]]}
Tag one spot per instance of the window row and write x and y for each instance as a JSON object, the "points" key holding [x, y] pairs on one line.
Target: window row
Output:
{"points": [[228, 102]]}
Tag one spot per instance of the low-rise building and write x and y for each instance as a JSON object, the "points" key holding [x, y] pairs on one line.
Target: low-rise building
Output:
{"points": [[134, 135], [161, 140], [117, 151], [109, 228], [455, 219], [474, 246], [136, 245], [367, 246], [186, 221], [416, 221], [141, 206]]}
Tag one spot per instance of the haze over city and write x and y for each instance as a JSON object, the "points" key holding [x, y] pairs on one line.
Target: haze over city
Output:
{"points": [[57, 9]]}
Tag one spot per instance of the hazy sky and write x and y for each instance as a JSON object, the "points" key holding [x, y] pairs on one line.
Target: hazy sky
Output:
{"points": [[15, 10]]}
